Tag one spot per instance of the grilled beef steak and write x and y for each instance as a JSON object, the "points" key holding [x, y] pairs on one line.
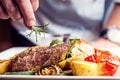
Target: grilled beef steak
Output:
{"points": [[35, 58]]}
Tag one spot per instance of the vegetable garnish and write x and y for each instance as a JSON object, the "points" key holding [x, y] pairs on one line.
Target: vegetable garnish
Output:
{"points": [[101, 55], [107, 68], [38, 30], [20, 73], [104, 60], [72, 42], [55, 42]]}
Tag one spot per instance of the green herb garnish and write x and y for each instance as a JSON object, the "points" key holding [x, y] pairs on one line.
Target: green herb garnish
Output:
{"points": [[38, 30], [72, 42], [68, 55], [56, 42], [21, 73]]}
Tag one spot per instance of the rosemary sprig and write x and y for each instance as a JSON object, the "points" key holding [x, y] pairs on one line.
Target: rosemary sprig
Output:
{"points": [[72, 42], [38, 30]]}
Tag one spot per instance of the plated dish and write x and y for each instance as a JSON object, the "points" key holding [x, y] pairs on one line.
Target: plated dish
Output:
{"points": [[61, 60]]}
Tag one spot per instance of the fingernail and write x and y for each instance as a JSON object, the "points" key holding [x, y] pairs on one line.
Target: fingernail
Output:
{"points": [[29, 27], [31, 23]]}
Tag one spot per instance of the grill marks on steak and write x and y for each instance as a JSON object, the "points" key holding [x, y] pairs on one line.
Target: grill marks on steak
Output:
{"points": [[38, 57]]}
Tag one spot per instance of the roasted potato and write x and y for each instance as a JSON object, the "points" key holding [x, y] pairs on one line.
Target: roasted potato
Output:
{"points": [[65, 63], [84, 68], [3, 66]]}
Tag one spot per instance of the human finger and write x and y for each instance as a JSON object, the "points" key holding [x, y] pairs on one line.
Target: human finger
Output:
{"points": [[11, 9], [3, 14], [27, 12], [35, 4]]}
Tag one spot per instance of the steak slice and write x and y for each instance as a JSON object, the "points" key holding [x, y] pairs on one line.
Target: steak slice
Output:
{"points": [[35, 58]]}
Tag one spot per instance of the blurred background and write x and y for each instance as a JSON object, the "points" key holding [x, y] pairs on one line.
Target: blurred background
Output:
{"points": [[5, 35], [9, 37]]}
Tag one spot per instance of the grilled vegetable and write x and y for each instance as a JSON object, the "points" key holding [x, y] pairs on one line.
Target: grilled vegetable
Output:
{"points": [[107, 69], [20, 73], [50, 70], [55, 42]]}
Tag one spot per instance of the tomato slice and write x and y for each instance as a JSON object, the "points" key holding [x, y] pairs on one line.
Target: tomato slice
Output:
{"points": [[103, 58], [107, 68], [99, 56]]}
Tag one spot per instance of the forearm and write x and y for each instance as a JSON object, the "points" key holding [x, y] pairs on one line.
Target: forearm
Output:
{"points": [[114, 18]]}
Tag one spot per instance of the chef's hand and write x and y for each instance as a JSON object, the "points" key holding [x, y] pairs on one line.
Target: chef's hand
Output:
{"points": [[17, 9]]}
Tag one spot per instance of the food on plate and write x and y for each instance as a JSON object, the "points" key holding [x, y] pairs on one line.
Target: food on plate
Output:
{"points": [[65, 63], [101, 55], [3, 66], [21, 73], [93, 69], [84, 68], [75, 57], [55, 42], [50, 70], [35, 58], [107, 68]]}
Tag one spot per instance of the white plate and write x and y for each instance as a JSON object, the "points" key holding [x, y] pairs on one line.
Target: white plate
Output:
{"points": [[20, 77], [12, 51]]}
